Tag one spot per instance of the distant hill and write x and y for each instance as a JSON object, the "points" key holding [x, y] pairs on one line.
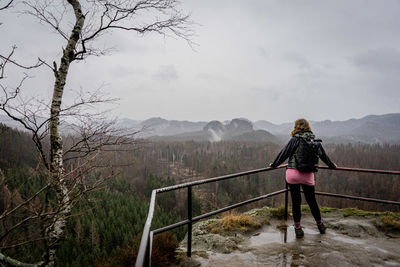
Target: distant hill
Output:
{"points": [[65, 127], [11, 123], [214, 131], [370, 129], [162, 127], [257, 136], [17, 148]]}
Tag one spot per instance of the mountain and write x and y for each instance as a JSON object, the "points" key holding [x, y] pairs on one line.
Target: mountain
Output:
{"points": [[11, 123], [17, 149], [65, 127], [162, 127], [257, 136], [278, 129], [370, 129], [215, 131]]}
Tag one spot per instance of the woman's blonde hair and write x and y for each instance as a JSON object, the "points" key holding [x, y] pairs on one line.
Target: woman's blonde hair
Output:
{"points": [[301, 125]]}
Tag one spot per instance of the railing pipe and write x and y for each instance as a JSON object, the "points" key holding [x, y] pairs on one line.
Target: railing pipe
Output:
{"points": [[150, 248], [286, 200], [358, 198], [215, 179], [171, 227], [362, 170], [189, 229], [144, 253]]}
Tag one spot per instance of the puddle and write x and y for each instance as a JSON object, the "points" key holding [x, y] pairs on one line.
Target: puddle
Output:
{"points": [[391, 263], [289, 259], [310, 231], [378, 249], [354, 241], [348, 240], [249, 259], [282, 235], [234, 259], [272, 237]]}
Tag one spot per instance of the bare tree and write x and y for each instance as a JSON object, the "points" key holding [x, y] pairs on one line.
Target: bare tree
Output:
{"points": [[79, 23]]}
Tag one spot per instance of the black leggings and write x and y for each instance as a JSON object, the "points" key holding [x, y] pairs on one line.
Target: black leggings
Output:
{"points": [[309, 193]]}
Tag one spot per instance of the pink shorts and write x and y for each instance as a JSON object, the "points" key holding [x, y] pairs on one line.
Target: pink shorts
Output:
{"points": [[294, 176]]}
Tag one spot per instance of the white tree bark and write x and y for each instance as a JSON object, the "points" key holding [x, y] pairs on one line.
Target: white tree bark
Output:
{"points": [[55, 232]]}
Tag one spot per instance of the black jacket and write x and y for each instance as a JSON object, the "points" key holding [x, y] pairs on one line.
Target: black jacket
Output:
{"points": [[289, 150]]}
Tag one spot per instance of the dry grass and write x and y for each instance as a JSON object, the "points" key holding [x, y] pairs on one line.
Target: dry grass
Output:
{"points": [[233, 223], [391, 221]]}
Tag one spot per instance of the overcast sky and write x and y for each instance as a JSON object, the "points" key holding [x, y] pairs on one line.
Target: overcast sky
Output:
{"points": [[274, 60]]}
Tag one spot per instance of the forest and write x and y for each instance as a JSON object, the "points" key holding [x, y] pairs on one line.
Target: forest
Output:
{"points": [[105, 226]]}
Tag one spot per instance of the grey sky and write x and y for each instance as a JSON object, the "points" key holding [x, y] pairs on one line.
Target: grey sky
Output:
{"points": [[260, 59]]}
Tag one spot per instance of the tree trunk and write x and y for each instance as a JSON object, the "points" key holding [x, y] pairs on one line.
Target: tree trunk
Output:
{"points": [[55, 231]]}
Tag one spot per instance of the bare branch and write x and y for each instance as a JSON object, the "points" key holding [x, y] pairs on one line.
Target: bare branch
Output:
{"points": [[26, 202], [84, 101], [39, 9], [11, 111], [7, 5], [26, 117], [7, 59], [25, 220], [22, 243], [6, 211], [123, 15], [47, 65], [13, 262]]}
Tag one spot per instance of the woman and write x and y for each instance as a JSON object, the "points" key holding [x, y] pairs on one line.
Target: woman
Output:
{"points": [[305, 179]]}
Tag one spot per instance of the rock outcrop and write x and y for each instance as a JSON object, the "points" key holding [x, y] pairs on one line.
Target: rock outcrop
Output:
{"points": [[349, 241]]}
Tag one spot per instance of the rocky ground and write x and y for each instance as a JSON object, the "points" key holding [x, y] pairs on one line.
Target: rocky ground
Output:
{"points": [[349, 241]]}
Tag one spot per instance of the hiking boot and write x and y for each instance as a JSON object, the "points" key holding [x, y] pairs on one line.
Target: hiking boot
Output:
{"points": [[299, 232], [321, 228]]}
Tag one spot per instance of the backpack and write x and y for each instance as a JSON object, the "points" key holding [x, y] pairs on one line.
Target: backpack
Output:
{"points": [[306, 155]]}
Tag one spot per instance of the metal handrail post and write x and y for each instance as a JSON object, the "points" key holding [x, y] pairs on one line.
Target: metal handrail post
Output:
{"points": [[144, 253], [147, 255], [286, 201], [150, 247], [190, 215]]}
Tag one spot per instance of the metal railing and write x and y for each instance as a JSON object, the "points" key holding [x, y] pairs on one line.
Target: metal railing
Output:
{"points": [[144, 253]]}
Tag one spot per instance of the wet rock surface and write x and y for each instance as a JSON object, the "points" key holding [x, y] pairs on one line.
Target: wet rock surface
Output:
{"points": [[349, 241]]}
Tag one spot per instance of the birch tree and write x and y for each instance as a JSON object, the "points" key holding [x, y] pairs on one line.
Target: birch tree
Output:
{"points": [[79, 23]]}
